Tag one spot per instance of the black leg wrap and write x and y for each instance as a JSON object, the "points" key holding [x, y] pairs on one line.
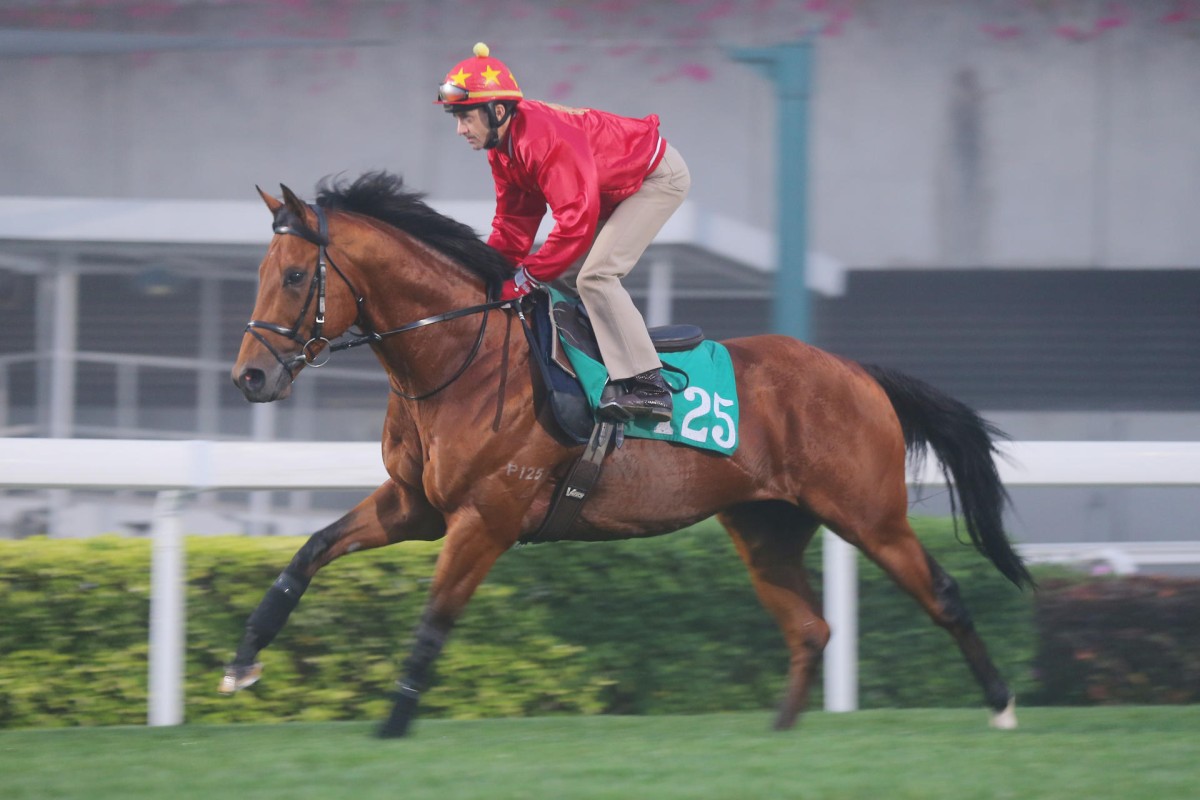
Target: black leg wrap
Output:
{"points": [[430, 639], [957, 620], [946, 589], [404, 710], [268, 619], [997, 697]]}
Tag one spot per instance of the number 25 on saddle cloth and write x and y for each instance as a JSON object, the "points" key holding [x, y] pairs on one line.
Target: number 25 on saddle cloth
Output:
{"points": [[704, 391]]}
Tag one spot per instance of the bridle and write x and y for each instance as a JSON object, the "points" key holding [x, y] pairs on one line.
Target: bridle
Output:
{"points": [[310, 345]]}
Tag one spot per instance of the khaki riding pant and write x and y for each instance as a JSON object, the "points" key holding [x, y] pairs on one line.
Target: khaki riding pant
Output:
{"points": [[620, 330]]}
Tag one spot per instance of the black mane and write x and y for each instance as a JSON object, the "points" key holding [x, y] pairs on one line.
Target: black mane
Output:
{"points": [[381, 194]]}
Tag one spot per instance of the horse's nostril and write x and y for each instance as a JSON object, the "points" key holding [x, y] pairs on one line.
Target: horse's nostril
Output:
{"points": [[252, 379]]}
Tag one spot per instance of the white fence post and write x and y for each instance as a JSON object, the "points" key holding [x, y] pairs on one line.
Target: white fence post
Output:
{"points": [[840, 582], [168, 597]]}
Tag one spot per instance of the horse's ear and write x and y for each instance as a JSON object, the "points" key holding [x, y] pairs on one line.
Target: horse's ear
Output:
{"points": [[294, 203], [273, 204]]}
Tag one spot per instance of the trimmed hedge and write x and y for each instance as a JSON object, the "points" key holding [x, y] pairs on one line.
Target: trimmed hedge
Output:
{"points": [[76, 619], [1119, 640], [668, 625]]}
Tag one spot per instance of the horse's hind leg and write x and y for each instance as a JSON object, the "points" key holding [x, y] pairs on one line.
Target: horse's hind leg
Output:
{"points": [[771, 538], [387, 515], [896, 549]]}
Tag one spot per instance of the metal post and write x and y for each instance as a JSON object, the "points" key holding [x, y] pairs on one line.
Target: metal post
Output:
{"points": [[658, 293], [262, 430], [841, 612], [57, 323], [4, 401], [63, 339], [208, 348], [127, 398], [304, 421], [789, 67], [167, 620], [127, 410]]}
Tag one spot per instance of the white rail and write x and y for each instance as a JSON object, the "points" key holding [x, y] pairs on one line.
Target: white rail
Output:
{"points": [[178, 468], [1123, 558]]}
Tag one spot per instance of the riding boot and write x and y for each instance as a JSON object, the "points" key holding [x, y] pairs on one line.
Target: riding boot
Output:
{"points": [[642, 396], [608, 408]]}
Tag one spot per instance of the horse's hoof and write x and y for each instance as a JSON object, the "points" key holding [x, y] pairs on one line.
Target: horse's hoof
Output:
{"points": [[387, 731], [784, 722], [1005, 720], [239, 677]]}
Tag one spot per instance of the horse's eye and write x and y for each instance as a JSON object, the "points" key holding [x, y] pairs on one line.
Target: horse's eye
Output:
{"points": [[293, 277]]}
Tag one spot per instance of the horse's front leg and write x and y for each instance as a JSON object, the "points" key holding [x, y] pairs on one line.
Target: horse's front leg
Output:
{"points": [[465, 560], [391, 513]]}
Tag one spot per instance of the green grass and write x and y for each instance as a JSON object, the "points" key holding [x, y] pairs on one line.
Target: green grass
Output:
{"points": [[1070, 753]]}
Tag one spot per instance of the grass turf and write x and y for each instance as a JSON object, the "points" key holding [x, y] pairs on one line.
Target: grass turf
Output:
{"points": [[1070, 753]]}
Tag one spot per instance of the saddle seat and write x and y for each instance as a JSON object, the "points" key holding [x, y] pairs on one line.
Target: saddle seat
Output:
{"points": [[575, 326], [676, 338]]}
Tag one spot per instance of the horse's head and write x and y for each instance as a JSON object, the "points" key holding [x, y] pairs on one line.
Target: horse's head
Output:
{"points": [[298, 308]]}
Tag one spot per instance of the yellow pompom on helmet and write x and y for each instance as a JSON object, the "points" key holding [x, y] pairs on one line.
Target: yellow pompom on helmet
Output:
{"points": [[478, 80]]}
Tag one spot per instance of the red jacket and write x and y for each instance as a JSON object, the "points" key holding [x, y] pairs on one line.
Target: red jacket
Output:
{"points": [[580, 162]]}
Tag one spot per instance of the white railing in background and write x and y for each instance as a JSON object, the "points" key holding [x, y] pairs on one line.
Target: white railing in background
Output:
{"points": [[177, 469], [1122, 558]]}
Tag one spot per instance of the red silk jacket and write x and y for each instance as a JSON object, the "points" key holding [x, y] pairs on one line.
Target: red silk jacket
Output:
{"points": [[581, 163]]}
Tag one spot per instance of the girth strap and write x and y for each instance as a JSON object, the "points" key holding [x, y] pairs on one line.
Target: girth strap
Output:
{"points": [[573, 491]]}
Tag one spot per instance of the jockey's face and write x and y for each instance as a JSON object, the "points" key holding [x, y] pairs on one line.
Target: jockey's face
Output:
{"points": [[473, 126]]}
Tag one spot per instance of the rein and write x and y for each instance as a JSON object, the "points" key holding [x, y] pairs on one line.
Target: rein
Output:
{"points": [[310, 354]]}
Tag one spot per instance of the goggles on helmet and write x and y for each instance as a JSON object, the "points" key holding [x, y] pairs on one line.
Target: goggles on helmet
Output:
{"points": [[450, 92]]}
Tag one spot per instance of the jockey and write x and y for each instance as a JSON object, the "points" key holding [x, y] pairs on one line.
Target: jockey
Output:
{"points": [[611, 182]]}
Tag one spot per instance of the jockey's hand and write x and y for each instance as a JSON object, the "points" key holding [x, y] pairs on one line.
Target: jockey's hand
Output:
{"points": [[519, 285]]}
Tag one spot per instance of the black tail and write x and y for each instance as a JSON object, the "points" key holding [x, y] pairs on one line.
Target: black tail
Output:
{"points": [[964, 444]]}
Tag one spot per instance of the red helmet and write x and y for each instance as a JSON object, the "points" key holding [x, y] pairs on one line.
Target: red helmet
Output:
{"points": [[477, 80]]}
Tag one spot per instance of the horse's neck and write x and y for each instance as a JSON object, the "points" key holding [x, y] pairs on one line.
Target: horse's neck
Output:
{"points": [[405, 281]]}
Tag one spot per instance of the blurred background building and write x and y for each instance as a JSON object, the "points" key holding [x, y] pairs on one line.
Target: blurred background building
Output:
{"points": [[1004, 200]]}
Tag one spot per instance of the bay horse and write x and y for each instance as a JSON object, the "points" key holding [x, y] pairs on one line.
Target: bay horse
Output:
{"points": [[473, 454]]}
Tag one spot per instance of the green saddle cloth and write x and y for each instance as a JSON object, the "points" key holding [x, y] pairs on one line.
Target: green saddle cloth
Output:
{"points": [[706, 402]]}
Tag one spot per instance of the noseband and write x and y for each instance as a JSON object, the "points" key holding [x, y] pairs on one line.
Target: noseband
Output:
{"points": [[310, 346]]}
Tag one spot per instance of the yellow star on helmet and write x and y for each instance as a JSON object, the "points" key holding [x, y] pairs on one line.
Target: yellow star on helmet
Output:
{"points": [[490, 74], [460, 77]]}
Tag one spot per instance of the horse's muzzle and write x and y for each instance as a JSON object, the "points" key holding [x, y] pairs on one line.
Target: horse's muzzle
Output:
{"points": [[262, 385]]}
